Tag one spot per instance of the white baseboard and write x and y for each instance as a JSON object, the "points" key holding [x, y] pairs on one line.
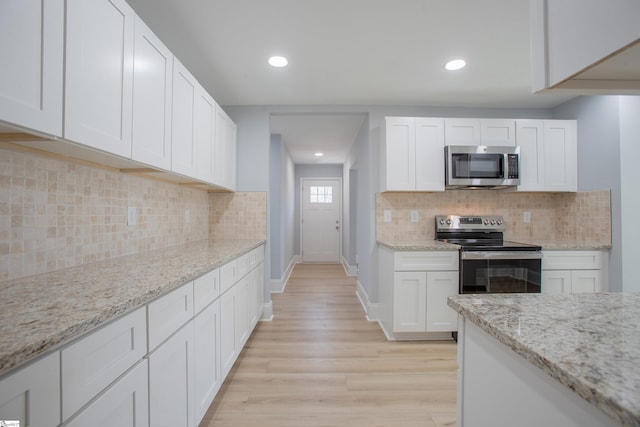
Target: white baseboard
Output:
{"points": [[267, 312], [370, 309], [351, 270], [277, 285]]}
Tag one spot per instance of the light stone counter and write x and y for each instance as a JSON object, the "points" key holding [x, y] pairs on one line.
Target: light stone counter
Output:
{"points": [[588, 342], [420, 245], [41, 312]]}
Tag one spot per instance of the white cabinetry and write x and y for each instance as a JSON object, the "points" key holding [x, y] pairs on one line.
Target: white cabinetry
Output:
{"points": [[208, 369], [225, 150], [32, 395], [171, 376], [415, 286], [152, 92], [497, 132], [185, 89], [585, 46], [125, 404], [566, 272], [228, 349], [548, 155], [168, 313], [94, 362], [204, 134], [31, 75], [412, 154], [99, 74]]}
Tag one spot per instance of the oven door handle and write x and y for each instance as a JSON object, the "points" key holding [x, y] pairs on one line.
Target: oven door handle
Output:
{"points": [[470, 255]]}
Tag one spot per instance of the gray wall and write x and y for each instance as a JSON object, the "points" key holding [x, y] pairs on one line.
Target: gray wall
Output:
{"points": [[599, 161]]}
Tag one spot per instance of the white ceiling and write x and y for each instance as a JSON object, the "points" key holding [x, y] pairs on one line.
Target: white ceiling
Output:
{"points": [[350, 52]]}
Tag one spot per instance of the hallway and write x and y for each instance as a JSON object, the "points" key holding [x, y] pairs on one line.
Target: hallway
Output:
{"points": [[321, 363]]}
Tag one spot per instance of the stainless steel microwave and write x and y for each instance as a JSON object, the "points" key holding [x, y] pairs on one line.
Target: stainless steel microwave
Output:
{"points": [[481, 166]]}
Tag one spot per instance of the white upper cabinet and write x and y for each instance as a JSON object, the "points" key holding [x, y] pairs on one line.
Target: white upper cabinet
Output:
{"points": [[548, 155], [32, 52], [585, 46], [152, 92], [225, 150], [412, 154], [204, 134], [496, 132], [99, 74], [185, 88]]}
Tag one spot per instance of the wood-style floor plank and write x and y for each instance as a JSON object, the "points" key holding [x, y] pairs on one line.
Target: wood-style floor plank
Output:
{"points": [[320, 363]]}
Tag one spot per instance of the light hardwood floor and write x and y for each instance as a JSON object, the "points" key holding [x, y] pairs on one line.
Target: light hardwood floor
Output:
{"points": [[321, 363]]}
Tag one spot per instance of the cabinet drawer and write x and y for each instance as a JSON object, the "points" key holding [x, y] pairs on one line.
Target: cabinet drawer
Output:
{"points": [[228, 275], [94, 362], [244, 265], [256, 256], [426, 261], [571, 260], [168, 313], [206, 288]]}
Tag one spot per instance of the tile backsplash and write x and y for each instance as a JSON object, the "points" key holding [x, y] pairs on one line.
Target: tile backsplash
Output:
{"points": [[56, 214], [554, 216], [238, 215]]}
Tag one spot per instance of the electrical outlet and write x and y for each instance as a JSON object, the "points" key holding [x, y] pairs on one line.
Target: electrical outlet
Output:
{"points": [[131, 215], [387, 215], [415, 217], [526, 217], [187, 216]]}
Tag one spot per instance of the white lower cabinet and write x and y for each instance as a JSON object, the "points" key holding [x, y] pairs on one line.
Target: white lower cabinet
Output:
{"points": [[414, 287], [171, 377], [228, 349], [125, 404], [565, 272], [32, 395], [208, 376]]}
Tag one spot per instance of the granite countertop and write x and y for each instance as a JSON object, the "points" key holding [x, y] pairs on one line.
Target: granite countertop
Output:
{"points": [[43, 311], [588, 342], [419, 245]]}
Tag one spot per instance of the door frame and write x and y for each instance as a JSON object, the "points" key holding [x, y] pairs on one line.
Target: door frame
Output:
{"points": [[340, 202]]}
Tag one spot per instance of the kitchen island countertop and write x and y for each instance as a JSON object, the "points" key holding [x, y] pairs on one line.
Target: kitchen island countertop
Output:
{"points": [[44, 311], [588, 342]]}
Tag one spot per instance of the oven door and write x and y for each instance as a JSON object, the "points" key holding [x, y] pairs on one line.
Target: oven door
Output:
{"points": [[500, 271]]}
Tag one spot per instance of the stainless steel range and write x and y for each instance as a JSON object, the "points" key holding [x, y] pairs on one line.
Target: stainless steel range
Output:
{"points": [[488, 263]]}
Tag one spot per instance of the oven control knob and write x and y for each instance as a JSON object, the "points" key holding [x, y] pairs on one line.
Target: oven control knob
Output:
{"points": [[493, 221], [486, 221], [499, 222], [448, 222]]}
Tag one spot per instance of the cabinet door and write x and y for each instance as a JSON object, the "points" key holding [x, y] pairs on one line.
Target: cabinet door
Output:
{"points": [[204, 134], [586, 281], [32, 52], [32, 394], [560, 155], [440, 286], [152, 91], [429, 154], [220, 147], [206, 288], [98, 98], [462, 132], [171, 390], [409, 301], [530, 137], [556, 282], [399, 154], [208, 378], [230, 154], [242, 311], [228, 348], [500, 132], [185, 89], [95, 361], [125, 404]]}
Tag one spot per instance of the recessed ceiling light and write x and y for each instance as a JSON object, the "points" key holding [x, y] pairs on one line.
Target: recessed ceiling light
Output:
{"points": [[278, 61], [319, 154], [454, 65]]}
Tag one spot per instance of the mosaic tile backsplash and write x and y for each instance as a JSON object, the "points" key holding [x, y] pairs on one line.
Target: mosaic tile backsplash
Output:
{"points": [[56, 214], [557, 216]]}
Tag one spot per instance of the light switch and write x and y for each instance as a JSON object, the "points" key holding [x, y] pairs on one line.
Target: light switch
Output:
{"points": [[131, 215], [415, 217], [387, 215], [187, 216], [526, 217]]}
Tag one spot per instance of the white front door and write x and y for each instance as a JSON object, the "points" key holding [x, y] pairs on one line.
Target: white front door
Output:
{"points": [[321, 227]]}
